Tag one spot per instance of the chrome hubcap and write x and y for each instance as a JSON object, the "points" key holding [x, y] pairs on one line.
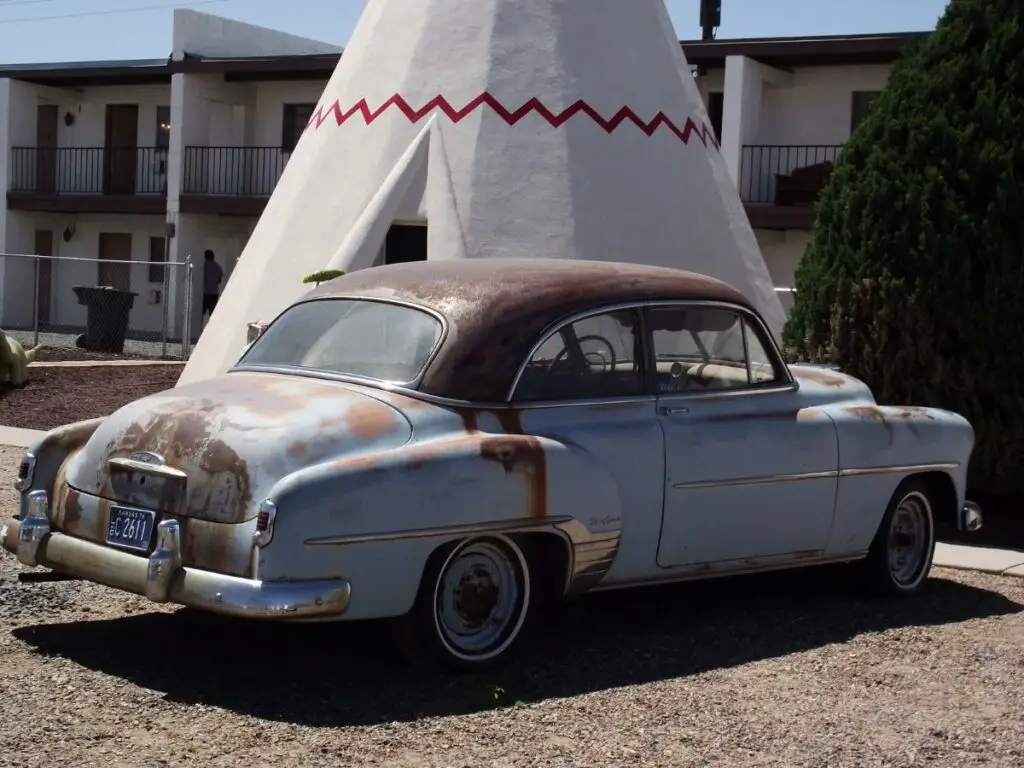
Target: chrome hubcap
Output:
{"points": [[909, 539], [480, 600]]}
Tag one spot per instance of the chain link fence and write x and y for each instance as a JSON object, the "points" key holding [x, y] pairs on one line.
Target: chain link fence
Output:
{"points": [[85, 307]]}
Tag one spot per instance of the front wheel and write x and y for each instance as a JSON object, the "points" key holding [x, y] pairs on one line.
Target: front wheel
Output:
{"points": [[474, 603], [901, 553]]}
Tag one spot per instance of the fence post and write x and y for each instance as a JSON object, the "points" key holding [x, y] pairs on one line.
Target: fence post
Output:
{"points": [[186, 330], [35, 305], [164, 292]]}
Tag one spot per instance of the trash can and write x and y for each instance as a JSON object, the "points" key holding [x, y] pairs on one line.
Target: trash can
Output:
{"points": [[107, 311]]}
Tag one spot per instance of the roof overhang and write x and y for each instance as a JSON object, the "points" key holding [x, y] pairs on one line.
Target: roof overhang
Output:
{"points": [[782, 53]]}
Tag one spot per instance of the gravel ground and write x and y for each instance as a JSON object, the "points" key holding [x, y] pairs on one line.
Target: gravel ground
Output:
{"points": [[763, 671]]}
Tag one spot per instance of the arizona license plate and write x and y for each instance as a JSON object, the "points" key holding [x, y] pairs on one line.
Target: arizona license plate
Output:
{"points": [[131, 528]]}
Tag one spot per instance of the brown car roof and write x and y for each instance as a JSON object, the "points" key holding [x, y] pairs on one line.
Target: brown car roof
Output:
{"points": [[496, 308]]}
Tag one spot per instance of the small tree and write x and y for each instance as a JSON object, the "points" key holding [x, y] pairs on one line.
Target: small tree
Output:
{"points": [[914, 277]]}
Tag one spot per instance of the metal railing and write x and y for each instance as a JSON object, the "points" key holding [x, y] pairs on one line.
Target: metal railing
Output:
{"points": [[150, 312], [237, 171], [89, 170], [761, 165]]}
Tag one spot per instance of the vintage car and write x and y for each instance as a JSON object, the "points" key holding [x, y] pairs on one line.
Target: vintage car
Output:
{"points": [[452, 445]]}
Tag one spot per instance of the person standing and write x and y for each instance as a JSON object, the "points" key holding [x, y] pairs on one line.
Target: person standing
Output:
{"points": [[212, 275]]}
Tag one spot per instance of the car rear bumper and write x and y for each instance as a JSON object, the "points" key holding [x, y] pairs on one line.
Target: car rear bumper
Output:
{"points": [[162, 578]]}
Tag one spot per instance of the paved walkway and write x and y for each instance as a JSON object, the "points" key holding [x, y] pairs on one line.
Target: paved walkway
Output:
{"points": [[1002, 561]]}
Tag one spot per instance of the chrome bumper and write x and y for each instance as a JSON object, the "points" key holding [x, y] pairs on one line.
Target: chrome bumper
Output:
{"points": [[161, 577], [970, 517]]}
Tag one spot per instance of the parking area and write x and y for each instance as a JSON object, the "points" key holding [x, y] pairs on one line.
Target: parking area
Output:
{"points": [[794, 670]]}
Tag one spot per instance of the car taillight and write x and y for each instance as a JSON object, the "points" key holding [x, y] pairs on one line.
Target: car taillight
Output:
{"points": [[265, 524], [26, 470]]}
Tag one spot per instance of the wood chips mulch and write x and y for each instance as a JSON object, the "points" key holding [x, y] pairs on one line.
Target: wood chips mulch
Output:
{"points": [[56, 396]]}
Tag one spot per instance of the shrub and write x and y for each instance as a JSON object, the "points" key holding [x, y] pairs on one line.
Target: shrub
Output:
{"points": [[914, 276]]}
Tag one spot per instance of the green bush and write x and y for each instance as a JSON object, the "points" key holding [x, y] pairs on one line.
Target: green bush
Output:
{"points": [[323, 276], [914, 276]]}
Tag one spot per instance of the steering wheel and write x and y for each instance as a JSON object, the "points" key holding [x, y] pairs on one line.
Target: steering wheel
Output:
{"points": [[608, 361]]}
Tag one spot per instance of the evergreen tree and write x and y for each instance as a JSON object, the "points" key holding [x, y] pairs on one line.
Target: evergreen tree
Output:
{"points": [[914, 276]]}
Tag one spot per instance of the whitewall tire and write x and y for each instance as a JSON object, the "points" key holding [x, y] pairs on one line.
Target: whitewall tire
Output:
{"points": [[475, 603], [902, 551]]}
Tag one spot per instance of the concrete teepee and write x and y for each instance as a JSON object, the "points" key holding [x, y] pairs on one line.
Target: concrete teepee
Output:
{"points": [[547, 128]]}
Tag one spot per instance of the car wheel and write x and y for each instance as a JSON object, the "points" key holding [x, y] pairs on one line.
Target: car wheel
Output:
{"points": [[475, 602], [901, 553]]}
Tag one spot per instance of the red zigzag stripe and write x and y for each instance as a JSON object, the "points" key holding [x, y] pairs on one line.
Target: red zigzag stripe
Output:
{"points": [[703, 133]]}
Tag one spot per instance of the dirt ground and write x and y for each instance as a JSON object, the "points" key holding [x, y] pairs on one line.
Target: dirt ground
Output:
{"points": [[56, 396], [60, 354], [791, 670]]}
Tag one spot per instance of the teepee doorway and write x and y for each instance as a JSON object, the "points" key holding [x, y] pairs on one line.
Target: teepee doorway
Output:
{"points": [[405, 242]]}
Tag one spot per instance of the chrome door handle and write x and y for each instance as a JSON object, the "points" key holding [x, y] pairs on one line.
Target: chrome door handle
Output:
{"points": [[666, 410]]}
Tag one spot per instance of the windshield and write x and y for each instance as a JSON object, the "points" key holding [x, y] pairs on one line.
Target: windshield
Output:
{"points": [[372, 339]]}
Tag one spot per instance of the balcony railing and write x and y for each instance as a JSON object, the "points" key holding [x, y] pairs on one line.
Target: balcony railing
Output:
{"points": [[785, 174], [89, 170], [236, 171]]}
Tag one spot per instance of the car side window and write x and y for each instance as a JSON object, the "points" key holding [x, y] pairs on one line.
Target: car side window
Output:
{"points": [[596, 357], [700, 349]]}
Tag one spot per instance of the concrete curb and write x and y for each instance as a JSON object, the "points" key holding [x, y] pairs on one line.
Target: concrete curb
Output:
{"points": [[15, 437], [1002, 562]]}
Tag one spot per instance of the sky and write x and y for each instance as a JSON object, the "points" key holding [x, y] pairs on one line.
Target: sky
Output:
{"points": [[87, 30]]}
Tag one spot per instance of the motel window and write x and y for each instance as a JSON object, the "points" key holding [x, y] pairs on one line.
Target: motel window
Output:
{"points": [[157, 259], [296, 118], [861, 103], [163, 127]]}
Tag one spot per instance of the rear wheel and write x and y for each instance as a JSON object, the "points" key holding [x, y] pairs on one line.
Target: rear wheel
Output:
{"points": [[475, 602], [901, 553]]}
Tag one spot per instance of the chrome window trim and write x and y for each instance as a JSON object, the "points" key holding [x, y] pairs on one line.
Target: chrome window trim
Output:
{"points": [[297, 370], [771, 348]]}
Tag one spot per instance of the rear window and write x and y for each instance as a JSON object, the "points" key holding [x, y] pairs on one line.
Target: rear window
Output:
{"points": [[371, 339]]}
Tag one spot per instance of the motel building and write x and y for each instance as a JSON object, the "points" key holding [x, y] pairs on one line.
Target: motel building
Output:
{"points": [[148, 162]]}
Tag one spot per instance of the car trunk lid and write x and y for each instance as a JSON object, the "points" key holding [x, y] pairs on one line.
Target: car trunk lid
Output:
{"points": [[213, 449]]}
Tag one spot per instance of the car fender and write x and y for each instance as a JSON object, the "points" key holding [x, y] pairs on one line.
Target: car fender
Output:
{"points": [[879, 447], [376, 518]]}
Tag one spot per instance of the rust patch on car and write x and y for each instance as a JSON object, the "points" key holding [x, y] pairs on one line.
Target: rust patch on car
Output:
{"points": [[522, 456], [469, 420], [370, 419], [871, 413], [510, 420], [820, 376], [807, 554], [182, 438]]}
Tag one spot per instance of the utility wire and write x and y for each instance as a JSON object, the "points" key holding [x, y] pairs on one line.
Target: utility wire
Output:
{"points": [[109, 12]]}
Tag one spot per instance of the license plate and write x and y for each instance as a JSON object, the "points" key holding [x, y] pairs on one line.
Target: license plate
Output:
{"points": [[130, 528]]}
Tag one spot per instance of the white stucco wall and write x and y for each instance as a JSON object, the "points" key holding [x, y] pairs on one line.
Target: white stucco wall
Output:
{"points": [[65, 309], [782, 251], [774, 124], [203, 34], [81, 171]]}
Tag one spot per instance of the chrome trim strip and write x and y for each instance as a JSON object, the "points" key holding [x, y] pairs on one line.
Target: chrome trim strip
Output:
{"points": [[823, 475], [764, 389], [757, 480], [556, 326], [149, 469], [442, 337], [467, 529], [702, 571], [895, 470]]}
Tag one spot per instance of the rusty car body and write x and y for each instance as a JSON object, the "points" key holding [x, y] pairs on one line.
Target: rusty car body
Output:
{"points": [[450, 444]]}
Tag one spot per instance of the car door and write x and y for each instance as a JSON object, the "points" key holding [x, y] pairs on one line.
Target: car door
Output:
{"points": [[750, 476]]}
